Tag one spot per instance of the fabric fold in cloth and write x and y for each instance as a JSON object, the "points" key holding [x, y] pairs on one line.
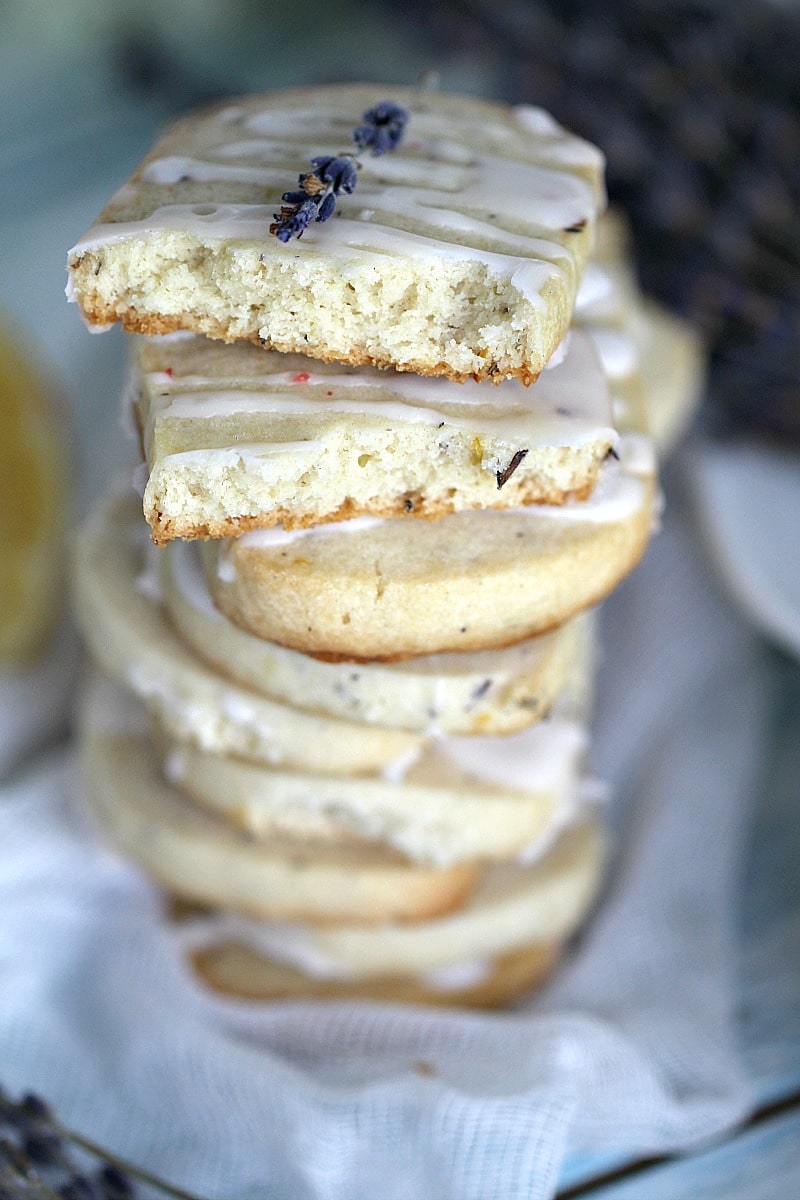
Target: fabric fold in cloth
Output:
{"points": [[630, 1050]]}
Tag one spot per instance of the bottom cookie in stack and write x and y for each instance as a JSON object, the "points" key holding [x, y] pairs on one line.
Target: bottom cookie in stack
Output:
{"points": [[504, 941]]}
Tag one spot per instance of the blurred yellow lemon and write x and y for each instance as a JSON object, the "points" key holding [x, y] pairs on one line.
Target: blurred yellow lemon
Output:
{"points": [[32, 489]]}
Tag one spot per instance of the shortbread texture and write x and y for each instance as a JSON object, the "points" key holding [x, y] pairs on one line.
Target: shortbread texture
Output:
{"points": [[238, 438], [459, 253]]}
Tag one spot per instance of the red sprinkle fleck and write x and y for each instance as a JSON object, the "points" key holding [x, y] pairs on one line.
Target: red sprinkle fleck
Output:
{"points": [[329, 393], [168, 371], [301, 377]]}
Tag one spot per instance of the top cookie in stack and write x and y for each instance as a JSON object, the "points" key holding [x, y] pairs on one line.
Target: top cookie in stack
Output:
{"points": [[458, 254]]}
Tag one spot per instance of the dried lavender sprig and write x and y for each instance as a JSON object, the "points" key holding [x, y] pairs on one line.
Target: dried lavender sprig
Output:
{"points": [[40, 1145], [383, 129]]}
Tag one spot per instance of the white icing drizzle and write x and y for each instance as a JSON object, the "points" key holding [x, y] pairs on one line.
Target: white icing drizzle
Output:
{"points": [[568, 405], [544, 757], [226, 570], [295, 946], [266, 539], [637, 455], [536, 120], [166, 339], [298, 944], [491, 665], [175, 766], [292, 944], [227, 115], [436, 183], [587, 793], [604, 309], [458, 976], [341, 238], [429, 132], [510, 190], [174, 169], [237, 708], [257, 456], [561, 353], [558, 145], [396, 771]]}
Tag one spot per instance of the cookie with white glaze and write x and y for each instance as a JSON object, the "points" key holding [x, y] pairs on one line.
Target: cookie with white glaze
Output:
{"points": [[236, 969], [372, 589], [496, 691], [129, 635], [458, 253], [207, 860], [236, 438], [464, 799]]}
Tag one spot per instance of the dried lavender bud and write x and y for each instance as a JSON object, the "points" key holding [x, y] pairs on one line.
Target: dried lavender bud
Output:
{"points": [[316, 200], [36, 1162], [337, 170], [114, 1184], [292, 222], [383, 128], [295, 197], [14, 1187], [44, 1147], [34, 1107], [80, 1187]]}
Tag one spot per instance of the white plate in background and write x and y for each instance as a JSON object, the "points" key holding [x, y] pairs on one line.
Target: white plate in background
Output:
{"points": [[749, 513]]}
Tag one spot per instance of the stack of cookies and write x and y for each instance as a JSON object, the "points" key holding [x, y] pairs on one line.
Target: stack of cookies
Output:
{"points": [[340, 706]]}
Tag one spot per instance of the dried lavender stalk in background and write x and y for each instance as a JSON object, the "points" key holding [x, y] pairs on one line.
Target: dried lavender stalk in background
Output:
{"points": [[697, 107], [382, 129]]}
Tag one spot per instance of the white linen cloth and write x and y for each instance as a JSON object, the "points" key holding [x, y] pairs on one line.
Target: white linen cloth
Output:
{"points": [[630, 1050]]}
